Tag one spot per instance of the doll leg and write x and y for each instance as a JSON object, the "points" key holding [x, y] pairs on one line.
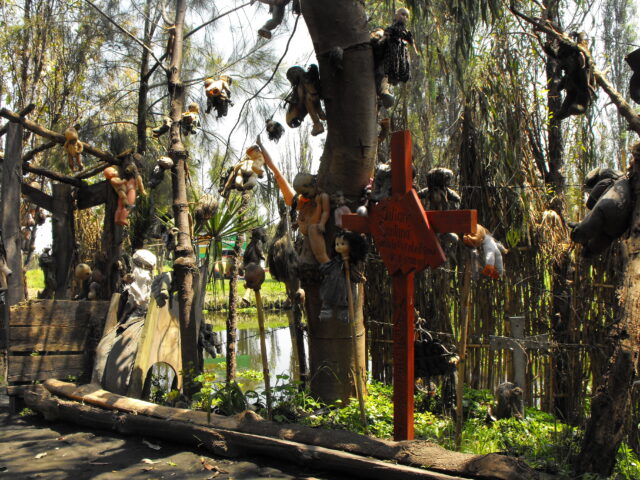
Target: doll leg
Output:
{"points": [[121, 214], [277, 15]]}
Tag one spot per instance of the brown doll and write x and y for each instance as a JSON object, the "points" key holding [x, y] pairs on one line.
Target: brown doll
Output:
{"points": [[74, 148]]}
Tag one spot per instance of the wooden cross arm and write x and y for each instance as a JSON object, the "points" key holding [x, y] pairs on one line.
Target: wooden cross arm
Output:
{"points": [[441, 221]]}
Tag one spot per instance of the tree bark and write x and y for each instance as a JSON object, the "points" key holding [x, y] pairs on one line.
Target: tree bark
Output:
{"points": [[347, 164], [184, 262], [610, 405], [232, 317]]}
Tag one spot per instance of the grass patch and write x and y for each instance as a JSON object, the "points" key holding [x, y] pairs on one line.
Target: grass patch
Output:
{"points": [[35, 278]]}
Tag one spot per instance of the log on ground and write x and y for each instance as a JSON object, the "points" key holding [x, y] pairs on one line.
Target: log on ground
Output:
{"points": [[412, 453]]}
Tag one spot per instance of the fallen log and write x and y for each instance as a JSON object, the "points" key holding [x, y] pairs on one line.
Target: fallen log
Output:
{"points": [[415, 452], [225, 442]]}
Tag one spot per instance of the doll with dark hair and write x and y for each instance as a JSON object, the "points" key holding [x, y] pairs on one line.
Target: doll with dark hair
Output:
{"points": [[333, 288]]}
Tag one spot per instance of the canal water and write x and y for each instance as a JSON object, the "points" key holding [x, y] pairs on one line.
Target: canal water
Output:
{"points": [[282, 356]]}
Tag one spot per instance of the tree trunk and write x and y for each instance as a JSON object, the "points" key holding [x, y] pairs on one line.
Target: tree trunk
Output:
{"points": [[610, 405], [347, 164], [184, 262], [232, 317]]}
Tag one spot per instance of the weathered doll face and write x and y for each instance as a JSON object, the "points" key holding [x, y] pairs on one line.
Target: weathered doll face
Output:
{"points": [[342, 245], [402, 16], [305, 185]]}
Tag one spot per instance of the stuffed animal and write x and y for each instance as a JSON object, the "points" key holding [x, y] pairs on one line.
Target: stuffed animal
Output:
{"points": [[305, 98], [218, 94], [491, 248], [439, 194]]}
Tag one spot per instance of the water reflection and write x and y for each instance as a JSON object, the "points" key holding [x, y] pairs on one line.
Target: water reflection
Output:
{"points": [[280, 338]]}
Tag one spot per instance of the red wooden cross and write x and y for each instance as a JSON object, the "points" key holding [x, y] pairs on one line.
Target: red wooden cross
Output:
{"points": [[405, 236]]}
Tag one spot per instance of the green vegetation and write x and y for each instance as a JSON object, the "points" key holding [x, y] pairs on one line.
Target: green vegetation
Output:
{"points": [[35, 279], [541, 440]]}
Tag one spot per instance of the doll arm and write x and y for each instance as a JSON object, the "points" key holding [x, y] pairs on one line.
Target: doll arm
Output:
{"points": [[325, 206], [287, 190]]}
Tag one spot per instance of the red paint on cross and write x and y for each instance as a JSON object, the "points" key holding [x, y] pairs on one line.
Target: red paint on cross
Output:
{"points": [[405, 236]]}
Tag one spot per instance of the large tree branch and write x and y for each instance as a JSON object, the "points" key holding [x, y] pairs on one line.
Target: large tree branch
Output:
{"points": [[618, 100], [23, 113], [53, 175], [55, 137]]}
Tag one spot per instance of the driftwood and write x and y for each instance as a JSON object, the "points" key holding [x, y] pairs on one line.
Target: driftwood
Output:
{"points": [[406, 453], [225, 442], [53, 136]]}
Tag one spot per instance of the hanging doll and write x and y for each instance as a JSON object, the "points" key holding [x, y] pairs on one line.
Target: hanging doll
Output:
{"points": [[74, 148], [126, 191], [190, 119], [274, 130], [157, 175], [276, 8], [218, 94], [491, 249], [244, 175], [333, 287], [341, 208], [305, 98], [391, 57]]}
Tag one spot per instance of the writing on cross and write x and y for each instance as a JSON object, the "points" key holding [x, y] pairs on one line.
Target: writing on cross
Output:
{"points": [[405, 236]]}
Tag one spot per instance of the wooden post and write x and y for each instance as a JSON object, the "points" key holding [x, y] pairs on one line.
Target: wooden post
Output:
{"points": [[10, 211], [263, 351], [359, 382], [465, 313], [403, 368], [63, 231]]}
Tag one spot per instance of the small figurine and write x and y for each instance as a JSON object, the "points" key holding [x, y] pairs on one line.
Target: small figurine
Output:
{"points": [[312, 204], [74, 148], [305, 98], [341, 208], [274, 130], [190, 120], [218, 94], [244, 175], [492, 249]]}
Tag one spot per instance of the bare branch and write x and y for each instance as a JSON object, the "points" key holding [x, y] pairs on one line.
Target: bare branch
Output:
{"points": [[23, 113], [40, 148], [217, 18]]}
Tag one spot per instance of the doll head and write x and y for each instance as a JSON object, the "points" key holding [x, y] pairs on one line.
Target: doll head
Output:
{"points": [[305, 185], [352, 244], [110, 172], [401, 16]]}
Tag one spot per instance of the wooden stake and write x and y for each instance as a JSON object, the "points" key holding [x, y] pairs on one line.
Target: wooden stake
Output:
{"points": [[465, 296], [263, 350], [358, 380]]}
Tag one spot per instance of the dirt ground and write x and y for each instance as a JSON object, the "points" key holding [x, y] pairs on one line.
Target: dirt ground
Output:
{"points": [[31, 447]]}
